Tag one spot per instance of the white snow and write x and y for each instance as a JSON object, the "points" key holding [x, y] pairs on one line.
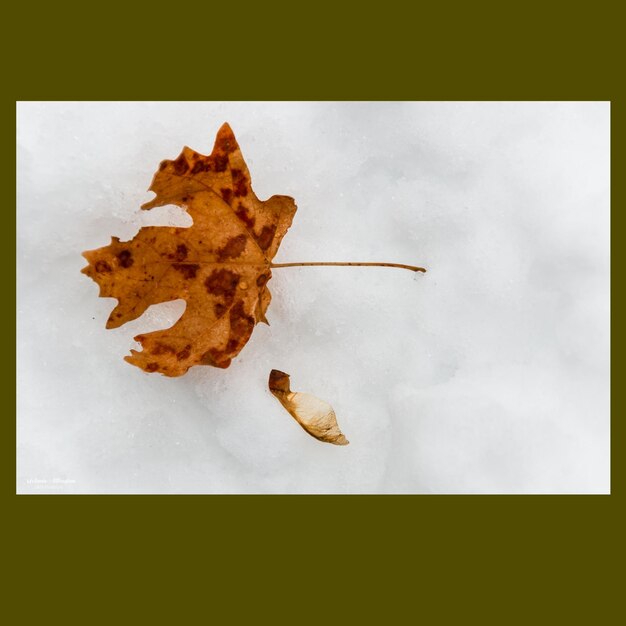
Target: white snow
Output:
{"points": [[488, 374]]}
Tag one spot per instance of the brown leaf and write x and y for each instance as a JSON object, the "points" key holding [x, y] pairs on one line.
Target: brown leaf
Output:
{"points": [[314, 415], [220, 266]]}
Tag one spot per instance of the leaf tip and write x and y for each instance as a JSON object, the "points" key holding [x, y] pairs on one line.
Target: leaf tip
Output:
{"points": [[146, 206], [225, 129]]}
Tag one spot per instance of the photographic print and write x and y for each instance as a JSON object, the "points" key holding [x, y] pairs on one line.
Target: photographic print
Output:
{"points": [[313, 297]]}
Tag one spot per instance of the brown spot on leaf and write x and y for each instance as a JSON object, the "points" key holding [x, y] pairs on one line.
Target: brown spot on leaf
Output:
{"points": [[221, 282], [181, 252], [152, 367], [241, 327], [227, 194], [161, 348], [207, 358], [188, 270], [201, 166], [219, 309], [215, 358], [240, 184], [102, 267], [241, 324], [242, 214], [125, 257], [163, 165], [265, 238], [231, 345], [180, 165], [220, 162], [262, 279], [232, 248], [184, 353]]}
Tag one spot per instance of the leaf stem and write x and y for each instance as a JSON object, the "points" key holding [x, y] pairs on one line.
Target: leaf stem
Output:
{"points": [[413, 268]]}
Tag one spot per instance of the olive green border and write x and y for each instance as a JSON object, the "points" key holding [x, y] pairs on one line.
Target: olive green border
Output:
{"points": [[239, 559]]}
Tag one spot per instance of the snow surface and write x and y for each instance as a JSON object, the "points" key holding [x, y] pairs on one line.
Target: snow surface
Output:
{"points": [[488, 374]]}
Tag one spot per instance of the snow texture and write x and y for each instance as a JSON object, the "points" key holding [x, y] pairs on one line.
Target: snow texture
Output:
{"points": [[488, 374]]}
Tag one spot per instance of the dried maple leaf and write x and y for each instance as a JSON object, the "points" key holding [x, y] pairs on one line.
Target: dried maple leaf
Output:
{"points": [[220, 266], [314, 415]]}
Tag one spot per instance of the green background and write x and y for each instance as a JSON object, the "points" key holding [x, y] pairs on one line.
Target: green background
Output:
{"points": [[247, 559]]}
